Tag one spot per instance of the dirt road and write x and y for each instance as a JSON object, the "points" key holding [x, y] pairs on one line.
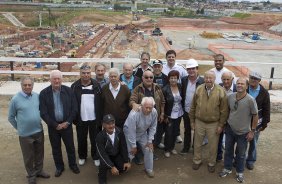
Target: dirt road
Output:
{"points": [[175, 170]]}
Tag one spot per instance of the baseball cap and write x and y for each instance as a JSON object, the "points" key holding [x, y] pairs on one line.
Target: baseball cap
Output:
{"points": [[157, 62], [108, 118], [191, 63]]}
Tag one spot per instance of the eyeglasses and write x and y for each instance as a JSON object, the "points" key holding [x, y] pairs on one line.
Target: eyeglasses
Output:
{"points": [[236, 105], [254, 78], [85, 67], [148, 77]]}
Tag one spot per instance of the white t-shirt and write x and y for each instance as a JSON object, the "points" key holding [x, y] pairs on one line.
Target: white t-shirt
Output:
{"points": [[218, 75], [182, 71]]}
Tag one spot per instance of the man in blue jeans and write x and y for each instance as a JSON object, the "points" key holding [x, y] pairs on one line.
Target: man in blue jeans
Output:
{"points": [[261, 95], [240, 129]]}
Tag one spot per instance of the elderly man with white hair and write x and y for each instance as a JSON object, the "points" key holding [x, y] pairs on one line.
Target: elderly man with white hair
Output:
{"points": [[140, 127], [115, 98], [58, 108], [208, 114]]}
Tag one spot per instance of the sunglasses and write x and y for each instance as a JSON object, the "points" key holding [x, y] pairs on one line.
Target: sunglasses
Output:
{"points": [[236, 105], [148, 77], [254, 78]]}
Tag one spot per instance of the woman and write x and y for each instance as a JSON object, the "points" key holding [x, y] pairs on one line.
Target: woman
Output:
{"points": [[144, 65], [173, 111]]}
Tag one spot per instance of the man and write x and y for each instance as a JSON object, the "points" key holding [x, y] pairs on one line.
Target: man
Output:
{"points": [[100, 70], [159, 77], [189, 85], [208, 114], [112, 149], [171, 65], [144, 65], [87, 92], [258, 92], [24, 116], [240, 129], [219, 68], [58, 108], [229, 88], [148, 89], [140, 127], [115, 98], [128, 78]]}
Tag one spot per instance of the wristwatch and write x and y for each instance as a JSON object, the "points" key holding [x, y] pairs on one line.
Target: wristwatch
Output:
{"points": [[253, 130]]}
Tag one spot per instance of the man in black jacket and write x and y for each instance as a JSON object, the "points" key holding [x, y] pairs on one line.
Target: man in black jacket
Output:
{"points": [[112, 150], [87, 92], [261, 95], [189, 85], [58, 108]]}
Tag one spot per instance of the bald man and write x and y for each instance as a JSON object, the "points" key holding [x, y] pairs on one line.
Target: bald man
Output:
{"points": [[128, 78]]}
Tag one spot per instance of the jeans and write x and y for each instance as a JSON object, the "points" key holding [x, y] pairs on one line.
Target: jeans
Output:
{"points": [[219, 147], [252, 153], [242, 143], [159, 133]]}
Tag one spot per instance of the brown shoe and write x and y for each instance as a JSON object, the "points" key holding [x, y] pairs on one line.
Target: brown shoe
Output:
{"points": [[196, 166], [211, 169]]}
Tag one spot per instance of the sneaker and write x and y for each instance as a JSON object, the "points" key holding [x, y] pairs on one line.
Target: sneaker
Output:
{"points": [[150, 174], [81, 161], [240, 177], [161, 146], [178, 139], [224, 173], [167, 154], [97, 163], [174, 152]]}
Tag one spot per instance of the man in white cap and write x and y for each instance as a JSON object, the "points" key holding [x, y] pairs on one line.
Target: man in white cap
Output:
{"points": [[189, 85], [258, 92]]}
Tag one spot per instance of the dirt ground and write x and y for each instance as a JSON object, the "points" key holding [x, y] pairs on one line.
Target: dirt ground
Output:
{"points": [[174, 170]]}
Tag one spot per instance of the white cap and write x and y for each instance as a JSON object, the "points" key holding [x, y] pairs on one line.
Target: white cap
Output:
{"points": [[191, 63]]}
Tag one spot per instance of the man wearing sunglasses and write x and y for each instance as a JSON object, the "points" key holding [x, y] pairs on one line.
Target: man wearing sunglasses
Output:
{"points": [[261, 95], [240, 129]]}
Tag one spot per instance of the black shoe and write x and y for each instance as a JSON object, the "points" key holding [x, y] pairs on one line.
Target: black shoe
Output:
{"points": [[184, 152], [75, 170], [211, 169], [59, 172], [250, 166], [137, 161]]}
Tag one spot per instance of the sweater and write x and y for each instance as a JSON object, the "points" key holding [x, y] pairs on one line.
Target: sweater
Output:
{"points": [[24, 114], [209, 109]]}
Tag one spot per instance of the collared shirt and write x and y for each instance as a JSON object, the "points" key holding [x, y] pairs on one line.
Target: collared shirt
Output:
{"points": [[58, 106], [26, 95], [209, 90], [112, 136], [229, 91], [128, 83], [190, 90], [102, 82], [177, 110], [114, 90], [219, 73], [182, 71], [254, 92]]}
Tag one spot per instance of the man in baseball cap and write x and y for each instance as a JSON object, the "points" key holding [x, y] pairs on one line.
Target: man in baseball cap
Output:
{"points": [[112, 150], [159, 77]]}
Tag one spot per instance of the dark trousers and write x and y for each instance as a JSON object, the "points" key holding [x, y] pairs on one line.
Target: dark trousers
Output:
{"points": [[33, 153], [187, 132], [219, 147], [171, 131], [82, 130], [55, 137], [159, 133], [118, 163]]}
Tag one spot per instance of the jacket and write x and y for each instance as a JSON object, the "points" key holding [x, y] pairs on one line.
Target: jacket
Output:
{"points": [[77, 89], [139, 92], [106, 149], [169, 99], [209, 109], [46, 105], [263, 103], [184, 84]]}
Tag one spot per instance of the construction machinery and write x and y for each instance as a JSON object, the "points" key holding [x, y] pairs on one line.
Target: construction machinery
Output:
{"points": [[157, 32]]}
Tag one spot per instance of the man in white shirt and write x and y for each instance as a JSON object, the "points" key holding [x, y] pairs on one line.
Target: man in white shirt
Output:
{"points": [[219, 68]]}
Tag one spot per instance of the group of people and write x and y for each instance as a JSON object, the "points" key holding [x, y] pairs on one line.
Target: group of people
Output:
{"points": [[127, 115]]}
